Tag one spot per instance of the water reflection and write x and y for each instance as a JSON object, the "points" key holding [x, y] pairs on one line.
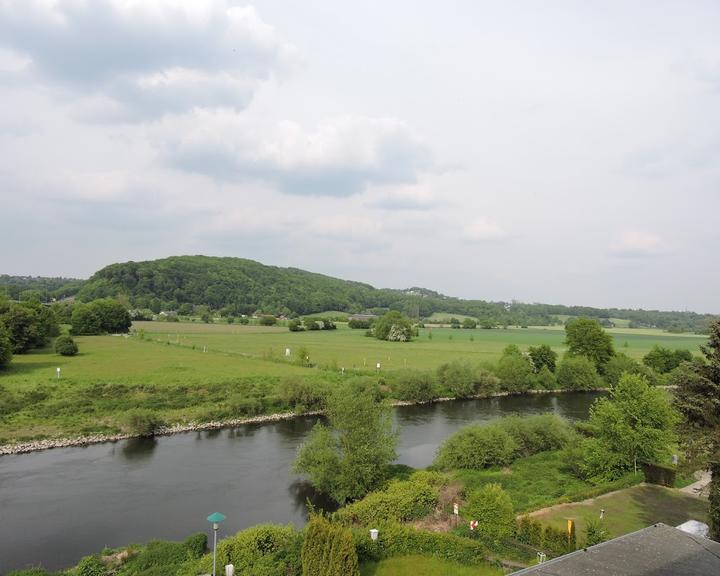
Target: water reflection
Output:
{"points": [[176, 480], [139, 448]]}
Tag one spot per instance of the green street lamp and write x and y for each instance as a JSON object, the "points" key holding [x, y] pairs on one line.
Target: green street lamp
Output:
{"points": [[215, 518]]}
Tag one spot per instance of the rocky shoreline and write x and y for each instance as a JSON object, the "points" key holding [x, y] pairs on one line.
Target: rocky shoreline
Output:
{"points": [[50, 443]]}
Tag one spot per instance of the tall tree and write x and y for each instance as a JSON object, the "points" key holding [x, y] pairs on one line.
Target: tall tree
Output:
{"points": [[586, 337], [698, 399], [541, 356], [350, 457], [633, 424]]}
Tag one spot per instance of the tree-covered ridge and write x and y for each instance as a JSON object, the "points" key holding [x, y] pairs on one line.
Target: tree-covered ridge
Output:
{"points": [[39, 287], [242, 286]]}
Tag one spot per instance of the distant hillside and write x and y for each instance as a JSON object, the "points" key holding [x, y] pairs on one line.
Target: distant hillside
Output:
{"points": [[243, 286], [19, 287]]}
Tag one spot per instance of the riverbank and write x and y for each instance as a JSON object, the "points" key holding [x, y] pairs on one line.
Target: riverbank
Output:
{"points": [[50, 443]]}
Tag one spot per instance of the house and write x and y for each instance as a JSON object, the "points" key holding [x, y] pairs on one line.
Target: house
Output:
{"points": [[658, 550]]}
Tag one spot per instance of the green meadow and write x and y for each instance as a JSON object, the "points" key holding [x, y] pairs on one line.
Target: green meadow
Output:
{"points": [[194, 372], [352, 349]]}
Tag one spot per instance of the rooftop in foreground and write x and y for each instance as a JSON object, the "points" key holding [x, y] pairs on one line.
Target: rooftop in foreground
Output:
{"points": [[658, 550]]}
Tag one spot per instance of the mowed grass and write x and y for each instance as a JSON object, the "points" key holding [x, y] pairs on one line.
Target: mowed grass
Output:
{"points": [[629, 510], [538, 481], [352, 349], [129, 360], [425, 566]]}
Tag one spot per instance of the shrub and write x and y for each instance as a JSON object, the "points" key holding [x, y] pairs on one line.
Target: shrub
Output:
{"points": [[535, 434], [492, 508], [595, 532], [577, 373], [295, 326], [480, 446], [263, 550], [142, 422], [399, 540], [545, 380], [302, 395], [90, 566], [621, 364], [475, 447], [66, 346], [268, 320], [393, 326], [414, 386], [515, 371], [328, 550], [196, 545], [401, 501], [6, 347]]}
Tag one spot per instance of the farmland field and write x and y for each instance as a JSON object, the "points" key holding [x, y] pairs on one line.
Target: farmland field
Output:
{"points": [[200, 372], [351, 348]]}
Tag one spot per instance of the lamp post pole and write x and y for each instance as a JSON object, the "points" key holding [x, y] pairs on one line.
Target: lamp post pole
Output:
{"points": [[215, 518]]}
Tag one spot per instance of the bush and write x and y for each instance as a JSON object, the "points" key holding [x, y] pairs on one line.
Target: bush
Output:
{"points": [[578, 373], [295, 326], [328, 550], [535, 434], [142, 422], [555, 541], [414, 386], [303, 396], [66, 346], [399, 540], [621, 364], [595, 532], [196, 545], [268, 320], [457, 376], [356, 324], [6, 347], [475, 447], [394, 327], [492, 508], [479, 446], [90, 566], [263, 550], [401, 501]]}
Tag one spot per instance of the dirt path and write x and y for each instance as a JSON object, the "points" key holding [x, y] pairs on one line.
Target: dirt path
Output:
{"points": [[699, 488]]}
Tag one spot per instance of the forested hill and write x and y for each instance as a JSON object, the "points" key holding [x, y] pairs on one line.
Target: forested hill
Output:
{"points": [[239, 286]]}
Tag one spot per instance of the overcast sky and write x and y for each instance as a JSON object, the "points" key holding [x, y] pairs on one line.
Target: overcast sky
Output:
{"points": [[561, 152]]}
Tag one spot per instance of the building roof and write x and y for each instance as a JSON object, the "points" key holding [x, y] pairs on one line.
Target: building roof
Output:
{"points": [[658, 550]]}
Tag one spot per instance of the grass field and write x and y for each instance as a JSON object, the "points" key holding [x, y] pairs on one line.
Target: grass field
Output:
{"points": [[351, 348], [538, 481], [629, 510], [425, 566], [198, 372]]}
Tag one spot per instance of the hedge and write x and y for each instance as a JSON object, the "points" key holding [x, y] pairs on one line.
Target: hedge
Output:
{"points": [[401, 501], [398, 540], [659, 474], [549, 539]]}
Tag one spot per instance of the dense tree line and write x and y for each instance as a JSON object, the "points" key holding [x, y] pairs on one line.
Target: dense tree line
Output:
{"points": [[25, 288], [239, 286], [24, 326]]}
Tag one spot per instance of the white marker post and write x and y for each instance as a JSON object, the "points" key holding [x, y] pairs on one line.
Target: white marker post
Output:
{"points": [[287, 351], [456, 512], [373, 534], [377, 366], [58, 373]]}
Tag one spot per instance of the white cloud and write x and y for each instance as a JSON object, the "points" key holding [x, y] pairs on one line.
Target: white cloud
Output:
{"points": [[638, 244], [147, 56], [482, 229], [341, 157]]}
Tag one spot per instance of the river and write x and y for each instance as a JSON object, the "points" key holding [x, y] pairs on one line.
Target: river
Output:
{"points": [[61, 504]]}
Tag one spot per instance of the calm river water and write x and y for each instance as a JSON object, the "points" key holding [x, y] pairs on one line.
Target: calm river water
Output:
{"points": [[58, 505]]}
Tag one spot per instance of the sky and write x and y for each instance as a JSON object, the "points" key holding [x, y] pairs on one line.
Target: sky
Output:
{"points": [[558, 151]]}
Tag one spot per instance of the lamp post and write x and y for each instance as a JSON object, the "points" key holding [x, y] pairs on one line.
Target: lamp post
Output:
{"points": [[215, 518]]}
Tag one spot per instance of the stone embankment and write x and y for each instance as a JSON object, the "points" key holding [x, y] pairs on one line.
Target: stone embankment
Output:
{"points": [[48, 443]]}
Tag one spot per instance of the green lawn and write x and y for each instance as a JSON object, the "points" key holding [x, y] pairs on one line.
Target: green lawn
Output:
{"points": [[538, 481], [630, 510], [425, 566], [199, 372], [347, 348]]}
